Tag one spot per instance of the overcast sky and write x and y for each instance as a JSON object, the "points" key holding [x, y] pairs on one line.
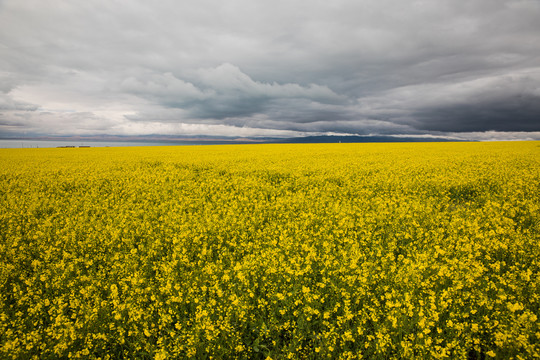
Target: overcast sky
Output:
{"points": [[461, 68]]}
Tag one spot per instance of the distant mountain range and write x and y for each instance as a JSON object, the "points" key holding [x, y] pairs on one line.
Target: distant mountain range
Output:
{"points": [[356, 139], [216, 140]]}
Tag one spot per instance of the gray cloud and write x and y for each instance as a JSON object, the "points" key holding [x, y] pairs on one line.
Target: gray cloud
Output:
{"points": [[282, 67], [223, 92], [9, 104]]}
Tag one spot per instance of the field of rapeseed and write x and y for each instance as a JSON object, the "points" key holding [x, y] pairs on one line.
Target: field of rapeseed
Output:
{"points": [[372, 251]]}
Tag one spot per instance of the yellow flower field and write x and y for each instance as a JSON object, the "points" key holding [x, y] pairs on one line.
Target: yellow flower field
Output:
{"points": [[375, 251]]}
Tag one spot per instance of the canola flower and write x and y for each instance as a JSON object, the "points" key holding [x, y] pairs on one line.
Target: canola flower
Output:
{"points": [[339, 251]]}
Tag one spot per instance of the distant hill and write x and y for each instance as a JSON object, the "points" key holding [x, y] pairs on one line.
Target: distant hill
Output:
{"points": [[356, 139], [216, 140]]}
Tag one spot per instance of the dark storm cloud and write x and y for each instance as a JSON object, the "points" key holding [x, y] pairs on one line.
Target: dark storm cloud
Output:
{"points": [[509, 113], [281, 67]]}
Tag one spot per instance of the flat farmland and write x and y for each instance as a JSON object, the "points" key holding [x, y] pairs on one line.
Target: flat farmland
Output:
{"points": [[376, 251]]}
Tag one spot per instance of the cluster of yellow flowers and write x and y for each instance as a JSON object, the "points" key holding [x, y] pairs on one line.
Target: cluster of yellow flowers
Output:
{"points": [[376, 251]]}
